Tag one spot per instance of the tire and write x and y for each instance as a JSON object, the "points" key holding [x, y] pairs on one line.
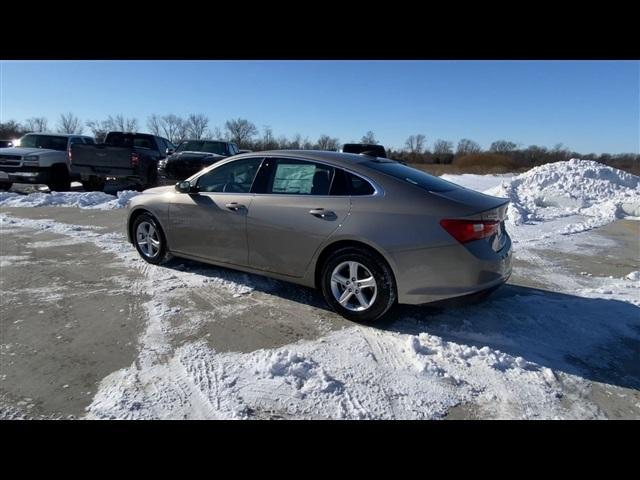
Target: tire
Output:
{"points": [[94, 184], [152, 178], [60, 180], [6, 185], [379, 299], [152, 255]]}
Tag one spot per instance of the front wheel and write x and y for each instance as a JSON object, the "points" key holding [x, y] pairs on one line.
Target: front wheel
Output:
{"points": [[149, 239], [60, 180], [358, 284]]}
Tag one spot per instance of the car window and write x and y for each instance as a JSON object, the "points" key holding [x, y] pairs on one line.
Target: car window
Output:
{"points": [[299, 177], [232, 177], [411, 175], [89, 141], [345, 183], [75, 140], [48, 142]]}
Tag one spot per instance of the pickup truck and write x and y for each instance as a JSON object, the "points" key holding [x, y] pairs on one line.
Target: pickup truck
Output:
{"points": [[132, 157], [191, 156], [40, 158]]}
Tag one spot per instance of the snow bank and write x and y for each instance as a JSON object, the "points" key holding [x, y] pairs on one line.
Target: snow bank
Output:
{"points": [[598, 194], [95, 200]]}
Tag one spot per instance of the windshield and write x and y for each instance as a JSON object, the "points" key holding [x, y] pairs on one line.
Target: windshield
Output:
{"points": [[49, 142], [411, 175], [219, 148]]}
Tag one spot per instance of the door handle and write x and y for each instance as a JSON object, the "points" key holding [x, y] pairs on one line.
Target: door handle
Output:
{"points": [[321, 213], [235, 206]]}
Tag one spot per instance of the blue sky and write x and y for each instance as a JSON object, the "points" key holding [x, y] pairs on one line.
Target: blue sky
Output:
{"points": [[589, 106]]}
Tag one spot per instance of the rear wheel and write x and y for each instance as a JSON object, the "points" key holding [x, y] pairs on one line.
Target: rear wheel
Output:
{"points": [[5, 185], [152, 177], [358, 284], [94, 184], [60, 180], [149, 239]]}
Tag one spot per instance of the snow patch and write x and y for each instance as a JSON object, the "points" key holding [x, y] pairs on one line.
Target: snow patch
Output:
{"points": [[90, 200], [587, 193]]}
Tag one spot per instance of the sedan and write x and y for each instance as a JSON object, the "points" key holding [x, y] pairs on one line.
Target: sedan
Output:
{"points": [[368, 232]]}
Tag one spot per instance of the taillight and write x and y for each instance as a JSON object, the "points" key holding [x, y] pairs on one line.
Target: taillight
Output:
{"points": [[135, 159], [469, 230], [70, 157]]}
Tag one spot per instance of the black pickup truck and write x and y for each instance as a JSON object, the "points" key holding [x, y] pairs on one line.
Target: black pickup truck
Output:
{"points": [[191, 156], [132, 157]]}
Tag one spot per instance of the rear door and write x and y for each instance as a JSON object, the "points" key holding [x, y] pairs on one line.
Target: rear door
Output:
{"points": [[211, 222], [292, 214]]}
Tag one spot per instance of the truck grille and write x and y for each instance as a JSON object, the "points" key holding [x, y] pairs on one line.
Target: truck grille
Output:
{"points": [[12, 160]]}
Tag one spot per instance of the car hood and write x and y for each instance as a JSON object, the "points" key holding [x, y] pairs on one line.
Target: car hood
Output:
{"points": [[157, 190], [25, 151]]}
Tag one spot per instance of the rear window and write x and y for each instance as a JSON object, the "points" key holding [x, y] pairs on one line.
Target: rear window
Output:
{"points": [[411, 175], [130, 140], [345, 183]]}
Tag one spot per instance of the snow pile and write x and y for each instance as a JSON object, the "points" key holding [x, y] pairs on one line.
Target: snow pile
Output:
{"points": [[595, 192], [96, 200]]}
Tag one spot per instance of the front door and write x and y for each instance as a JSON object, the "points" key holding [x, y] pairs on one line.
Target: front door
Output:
{"points": [[210, 223]]}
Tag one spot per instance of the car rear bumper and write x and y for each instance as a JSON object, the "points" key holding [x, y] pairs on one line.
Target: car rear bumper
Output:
{"points": [[432, 274], [87, 171]]}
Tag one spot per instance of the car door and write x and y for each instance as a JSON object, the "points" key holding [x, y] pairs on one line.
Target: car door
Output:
{"points": [[210, 222], [293, 215]]}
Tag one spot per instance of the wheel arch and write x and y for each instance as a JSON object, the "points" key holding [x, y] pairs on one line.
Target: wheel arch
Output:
{"points": [[135, 213], [335, 245]]}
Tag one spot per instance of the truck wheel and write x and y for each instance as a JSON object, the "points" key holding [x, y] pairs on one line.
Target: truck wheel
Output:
{"points": [[152, 178], [60, 181], [5, 185], [94, 184]]}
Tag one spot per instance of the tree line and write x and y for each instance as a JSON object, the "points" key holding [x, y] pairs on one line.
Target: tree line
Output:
{"points": [[246, 135]]}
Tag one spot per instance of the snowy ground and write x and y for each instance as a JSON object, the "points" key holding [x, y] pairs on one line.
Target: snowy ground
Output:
{"points": [[562, 340]]}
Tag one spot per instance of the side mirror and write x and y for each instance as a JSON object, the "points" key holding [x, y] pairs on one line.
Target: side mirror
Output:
{"points": [[184, 186], [170, 151]]}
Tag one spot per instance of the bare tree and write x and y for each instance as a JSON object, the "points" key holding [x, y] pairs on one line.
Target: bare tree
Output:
{"points": [[466, 146], [98, 129], [325, 142], [502, 146], [173, 127], [216, 134], [119, 123], [283, 143], [36, 124], [410, 143], [154, 124], [241, 131], [369, 138], [69, 123], [268, 141], [296, 142], [196, 126], [442, 146], [11, 130]]}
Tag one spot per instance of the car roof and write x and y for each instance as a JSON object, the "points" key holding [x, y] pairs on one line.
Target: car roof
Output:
{"points": [[59, 134], [338, 159]]}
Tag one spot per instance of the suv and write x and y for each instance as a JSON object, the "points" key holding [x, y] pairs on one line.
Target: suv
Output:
{"points": [[40, 158], [366, 148], [191, 156]]}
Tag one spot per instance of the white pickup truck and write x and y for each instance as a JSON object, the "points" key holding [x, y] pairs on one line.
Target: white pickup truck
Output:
{"points": [[40, 158]]}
